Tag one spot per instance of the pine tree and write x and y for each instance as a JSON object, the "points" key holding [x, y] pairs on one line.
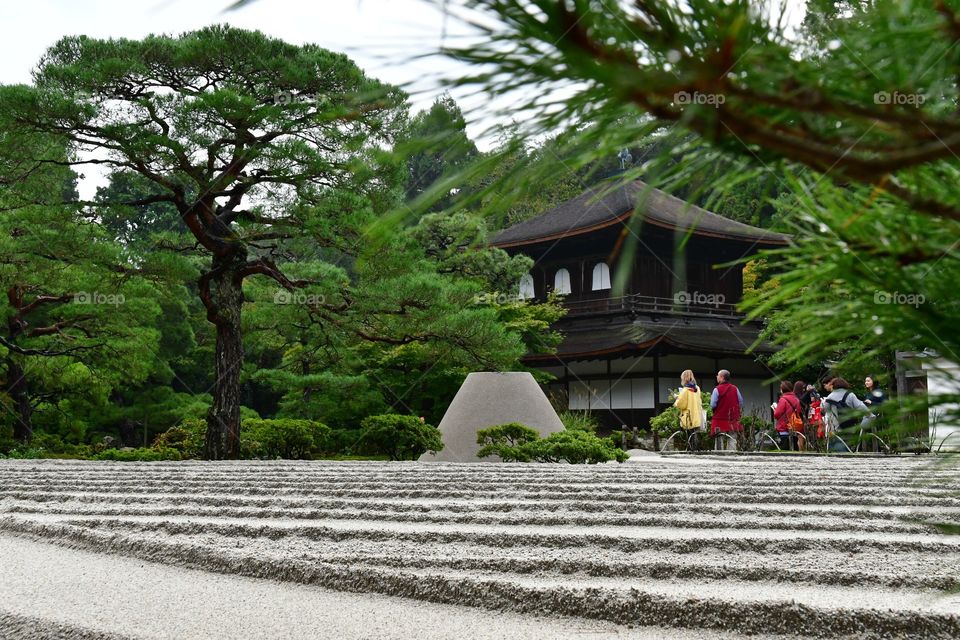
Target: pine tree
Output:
{"points": [[854, 114], [251, 140]]}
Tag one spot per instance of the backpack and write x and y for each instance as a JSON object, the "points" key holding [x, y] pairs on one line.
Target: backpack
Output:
{"points": [[834, 419], [795, 421], [816, 417]]}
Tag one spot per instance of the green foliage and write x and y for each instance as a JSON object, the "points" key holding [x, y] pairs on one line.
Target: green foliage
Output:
{"points": [[48, 441], [343, 441], [668, 421], [755, 423], [27, 453], [281, 438], [424, 307], [515, 442], [185, 438], [456, 243], [72, 301], [232, 155], [7, 441], [45, 445], [246, 138], [286, 438], [556, 181], [579, 421], [399, 437], [507, 441], [575, 447], [138, 455], [858, 149], [435, 145], [615, 440]]}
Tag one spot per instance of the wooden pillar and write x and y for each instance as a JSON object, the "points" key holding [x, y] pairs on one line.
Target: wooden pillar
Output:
{"points": [[656, 383]]}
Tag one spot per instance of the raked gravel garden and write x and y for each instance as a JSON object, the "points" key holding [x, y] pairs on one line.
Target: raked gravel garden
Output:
{"points": [[661, 546]]}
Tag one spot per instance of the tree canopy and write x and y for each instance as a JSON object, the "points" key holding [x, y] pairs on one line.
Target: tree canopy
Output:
{"points": [[233, 155], [853, 114]]}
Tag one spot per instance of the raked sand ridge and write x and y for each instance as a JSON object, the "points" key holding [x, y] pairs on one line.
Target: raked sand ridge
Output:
{"points": [[675, 547]]}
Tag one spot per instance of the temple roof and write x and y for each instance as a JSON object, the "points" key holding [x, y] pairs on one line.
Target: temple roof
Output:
{"points": [[605, 205], [707, 337]]}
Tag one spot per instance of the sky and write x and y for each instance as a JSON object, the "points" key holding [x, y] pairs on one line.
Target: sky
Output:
{"points": [[384, 37], [388, 39]]}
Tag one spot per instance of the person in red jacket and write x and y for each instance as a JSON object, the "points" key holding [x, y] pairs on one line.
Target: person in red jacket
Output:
{"points": [[727, 404], [787, 408]]}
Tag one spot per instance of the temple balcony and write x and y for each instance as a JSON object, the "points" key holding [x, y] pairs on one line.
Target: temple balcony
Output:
{"points": [[635, 304]]}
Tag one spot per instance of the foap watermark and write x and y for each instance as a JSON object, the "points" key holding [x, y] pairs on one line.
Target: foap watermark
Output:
{"points": [[95, 297], [695, 97], [284, 98], [696, 298], [82, 95], [899, 99], [298, 297], [496, 298], [896, 297]]}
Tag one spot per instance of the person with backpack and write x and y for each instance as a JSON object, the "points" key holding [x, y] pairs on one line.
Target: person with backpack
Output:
{"points": [[842, 407], [693, 417], [727, 404], [805, 394], [788, 413], [812, 406]]}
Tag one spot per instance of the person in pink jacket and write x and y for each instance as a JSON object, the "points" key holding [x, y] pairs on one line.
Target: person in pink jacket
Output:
{"points": [[784, 411]]}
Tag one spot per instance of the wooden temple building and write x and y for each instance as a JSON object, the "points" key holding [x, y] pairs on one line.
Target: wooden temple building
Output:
{"points": [[622, 354]]}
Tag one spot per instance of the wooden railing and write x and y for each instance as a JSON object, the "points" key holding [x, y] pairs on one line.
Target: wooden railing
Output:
{"points": [[650, 304]]}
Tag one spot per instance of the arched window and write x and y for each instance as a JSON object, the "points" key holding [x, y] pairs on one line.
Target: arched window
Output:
{"points": [[526, 287], [561, 282], [601, 276]]}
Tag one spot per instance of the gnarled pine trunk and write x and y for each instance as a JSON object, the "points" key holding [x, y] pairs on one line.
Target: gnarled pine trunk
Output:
{"points": [[226, 302], [19, 395]]}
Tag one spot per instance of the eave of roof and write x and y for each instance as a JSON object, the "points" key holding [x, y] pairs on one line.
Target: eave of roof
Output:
{"points": [[642, 336], [603, 206]]}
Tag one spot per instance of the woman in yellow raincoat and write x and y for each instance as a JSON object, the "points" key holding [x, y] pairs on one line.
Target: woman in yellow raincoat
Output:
{"points": [[691, 408]]}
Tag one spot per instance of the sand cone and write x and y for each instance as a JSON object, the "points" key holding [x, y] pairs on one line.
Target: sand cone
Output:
{"points": [[486, 400]]}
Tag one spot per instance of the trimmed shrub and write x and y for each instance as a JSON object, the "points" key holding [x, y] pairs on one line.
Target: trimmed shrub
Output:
{"points": [[515, 442], [615, 439], [47, 441], [506, 441], [285, 438], [138, 455], [575, 447], [397, 436], [185, 438]]}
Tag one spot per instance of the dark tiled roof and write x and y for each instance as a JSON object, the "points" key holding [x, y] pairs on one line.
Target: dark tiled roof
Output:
{"points": [[708, 337], [604, 205]]}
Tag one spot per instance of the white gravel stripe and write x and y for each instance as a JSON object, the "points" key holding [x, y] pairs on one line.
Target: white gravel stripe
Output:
{"points": [[54, 592], [822, 547]]}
